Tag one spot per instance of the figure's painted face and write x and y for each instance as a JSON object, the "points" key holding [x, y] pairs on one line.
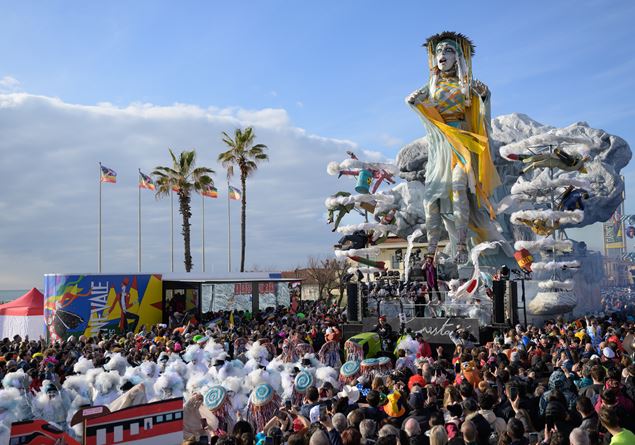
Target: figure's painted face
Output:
{"points": [[445, 56]]}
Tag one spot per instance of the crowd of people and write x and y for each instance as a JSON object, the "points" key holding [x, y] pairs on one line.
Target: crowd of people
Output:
{"points": [[618, 299], [281, 378]]}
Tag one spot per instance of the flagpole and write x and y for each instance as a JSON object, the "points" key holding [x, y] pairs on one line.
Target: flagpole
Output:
{"points": [[172, 225], [203, 231], [229, 233], [139, 228], [99, 233]]}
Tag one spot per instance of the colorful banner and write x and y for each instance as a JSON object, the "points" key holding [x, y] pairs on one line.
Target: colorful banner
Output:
{"points": [[111, 304], [614, 231]]}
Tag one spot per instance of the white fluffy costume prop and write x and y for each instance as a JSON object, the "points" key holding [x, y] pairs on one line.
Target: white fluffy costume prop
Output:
{"points": [[195, 358], [117, 363], [147, 372], [9, 401], [198, 383], [83, 365], [237, 393], [327, 374], [170, 385], [51, 406], [106, 388], [79, 391], [257, 356], [177, 365], [20, 381]]}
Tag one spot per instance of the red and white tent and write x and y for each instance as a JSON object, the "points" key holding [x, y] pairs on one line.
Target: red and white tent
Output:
{"points": [[23, 316]]}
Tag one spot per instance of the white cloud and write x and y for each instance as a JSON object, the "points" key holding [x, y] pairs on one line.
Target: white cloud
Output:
{"points": [[373, 155], [49, 178], [300, 104], [268, 117], [9, 84], [390, 141]]}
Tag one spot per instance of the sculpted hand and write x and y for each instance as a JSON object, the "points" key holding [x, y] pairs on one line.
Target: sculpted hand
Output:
{"points": [[480, 88], [417, 95]]}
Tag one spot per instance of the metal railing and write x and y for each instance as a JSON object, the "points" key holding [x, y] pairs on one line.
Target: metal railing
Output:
{"points": [[434, 308]]}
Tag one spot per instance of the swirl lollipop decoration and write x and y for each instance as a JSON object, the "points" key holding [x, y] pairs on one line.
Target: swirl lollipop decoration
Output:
{"points": [[263, 405], [303, 381], [216, 401], [215, 398], [262, 394], [384, 365], [349, 371], [370, 367]]}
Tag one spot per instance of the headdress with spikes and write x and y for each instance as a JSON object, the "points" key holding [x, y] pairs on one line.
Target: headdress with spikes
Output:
{"points": [[461, 39], [465, 51]]}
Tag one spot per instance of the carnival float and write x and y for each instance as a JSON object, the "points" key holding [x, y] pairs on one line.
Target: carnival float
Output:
{"points": [[483, 195]]}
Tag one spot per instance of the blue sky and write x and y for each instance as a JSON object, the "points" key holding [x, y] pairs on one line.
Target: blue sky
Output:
{"points": [[339, 69]]}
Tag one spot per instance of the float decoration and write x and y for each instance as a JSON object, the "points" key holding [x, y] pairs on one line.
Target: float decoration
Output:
{"points": [[357, 244], [558, 202]]}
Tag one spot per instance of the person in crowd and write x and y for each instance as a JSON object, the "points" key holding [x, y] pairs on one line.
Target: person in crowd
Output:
{"points": [[565, 381], [610, 420]]}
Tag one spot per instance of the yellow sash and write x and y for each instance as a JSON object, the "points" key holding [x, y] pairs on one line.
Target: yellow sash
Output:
{"points": [[464, 144]]}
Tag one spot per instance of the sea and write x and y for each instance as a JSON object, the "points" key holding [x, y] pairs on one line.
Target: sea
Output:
{"points": [[10, 295]]}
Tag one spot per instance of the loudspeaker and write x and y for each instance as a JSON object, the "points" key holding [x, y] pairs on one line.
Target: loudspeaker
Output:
{"points": [[505, 302], [498, 288], [511, 302], [352, 306]]}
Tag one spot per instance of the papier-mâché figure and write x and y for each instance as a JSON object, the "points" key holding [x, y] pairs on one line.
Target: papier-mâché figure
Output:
{"points": [[460, 174]]}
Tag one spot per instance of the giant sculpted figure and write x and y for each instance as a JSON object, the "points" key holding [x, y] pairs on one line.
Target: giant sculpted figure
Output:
{"points": [[460, 174]]}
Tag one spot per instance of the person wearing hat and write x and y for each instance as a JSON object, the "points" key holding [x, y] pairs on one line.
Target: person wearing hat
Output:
{"points": [[351, 394], [608, 355], [394, 406]]}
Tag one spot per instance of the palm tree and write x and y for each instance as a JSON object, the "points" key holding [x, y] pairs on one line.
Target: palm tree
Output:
{"points": [[182, 178], [244, 156]]}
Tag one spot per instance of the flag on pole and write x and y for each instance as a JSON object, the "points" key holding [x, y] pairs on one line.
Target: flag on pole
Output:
{"points": [[176, 188], [234, 193], [107, 174], [210, 191], [146, 182]]}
